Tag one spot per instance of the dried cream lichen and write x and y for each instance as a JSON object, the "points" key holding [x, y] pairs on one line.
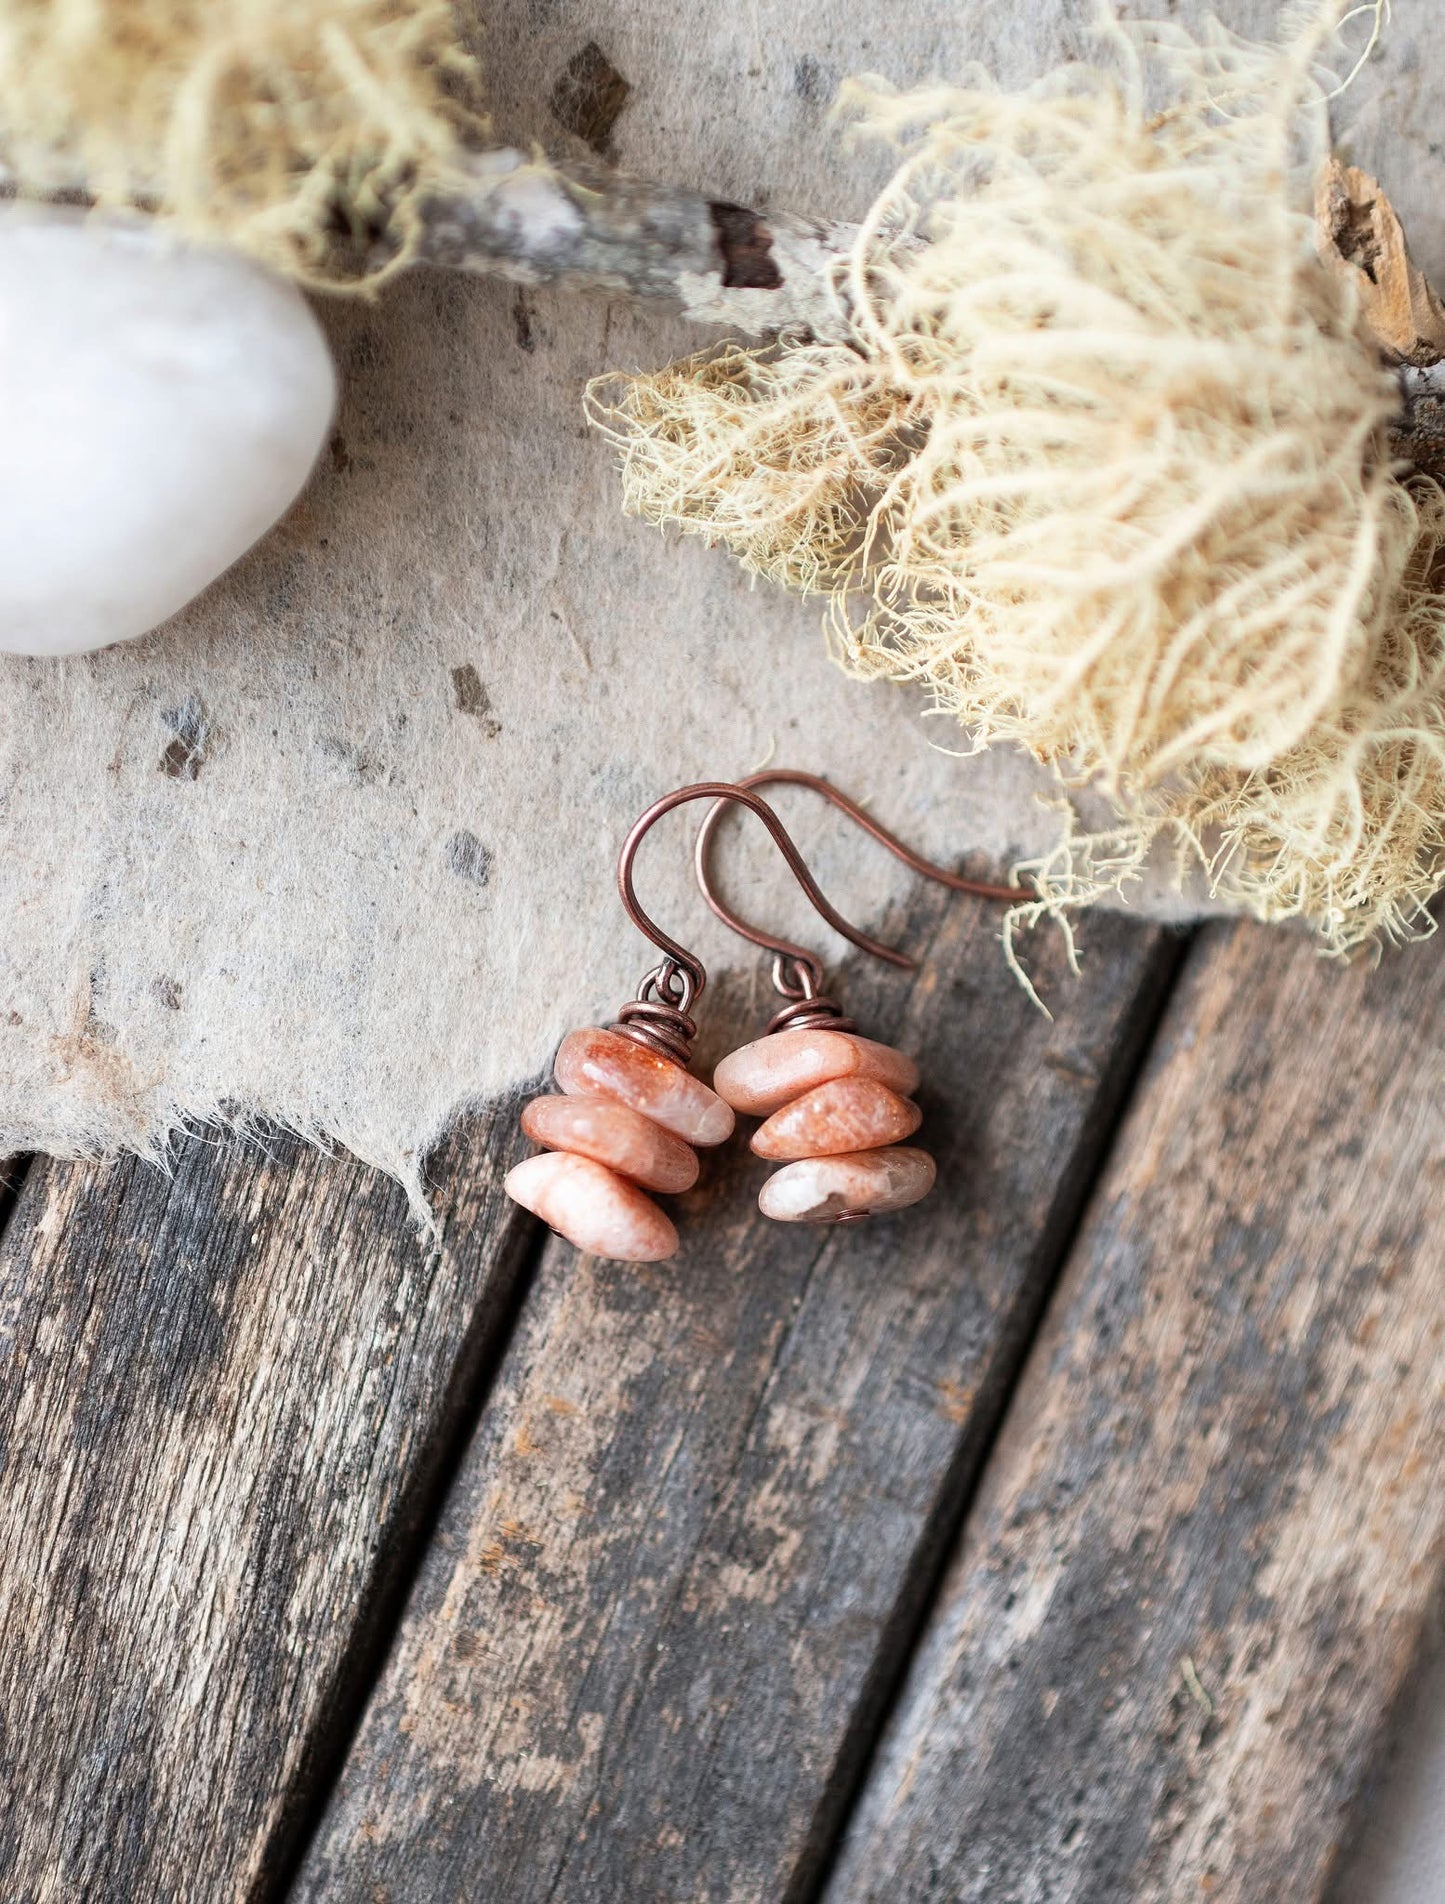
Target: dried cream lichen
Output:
{"points": [[1102, 462], [302, 131]]}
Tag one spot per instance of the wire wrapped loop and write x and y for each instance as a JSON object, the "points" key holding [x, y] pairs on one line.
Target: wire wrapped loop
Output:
{"points": [[659, 1016], [799, 980]]}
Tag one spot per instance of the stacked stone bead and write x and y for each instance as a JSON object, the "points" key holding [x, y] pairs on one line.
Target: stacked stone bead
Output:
{"points": [[625, 1124], [835, 1108]]}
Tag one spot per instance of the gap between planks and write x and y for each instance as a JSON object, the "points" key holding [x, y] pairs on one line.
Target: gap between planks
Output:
{"points": [[669, 1590], [12, 1175], [918, 1596], [1208, 1544], [334, 1725], [228, 1394]]}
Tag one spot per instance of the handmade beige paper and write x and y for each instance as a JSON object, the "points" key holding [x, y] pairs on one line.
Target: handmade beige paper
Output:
{"points": [[335, 847]]}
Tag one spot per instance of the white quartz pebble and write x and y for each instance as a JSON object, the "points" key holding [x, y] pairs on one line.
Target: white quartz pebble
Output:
{"points": [[160, 407]]}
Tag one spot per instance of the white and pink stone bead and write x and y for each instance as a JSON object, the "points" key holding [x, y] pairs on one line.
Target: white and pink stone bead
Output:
{"points": [[835, 1109], [627, 1122]]}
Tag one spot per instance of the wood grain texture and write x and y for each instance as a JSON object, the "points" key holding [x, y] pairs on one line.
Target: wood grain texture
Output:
{"points": [[1203, 1550], [222, 1395], [682, 1556]]}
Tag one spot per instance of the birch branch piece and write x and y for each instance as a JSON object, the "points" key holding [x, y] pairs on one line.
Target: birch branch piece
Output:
{"points": [[1361, 240], [721, 263], [728, 267]]}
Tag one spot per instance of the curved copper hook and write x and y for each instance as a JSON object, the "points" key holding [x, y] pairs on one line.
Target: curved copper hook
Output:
{"points": [[782, 948], [688, 963]]}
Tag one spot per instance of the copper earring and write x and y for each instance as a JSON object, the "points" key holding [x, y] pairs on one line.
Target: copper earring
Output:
{"points": [[835, 1106], [631, 1115]]}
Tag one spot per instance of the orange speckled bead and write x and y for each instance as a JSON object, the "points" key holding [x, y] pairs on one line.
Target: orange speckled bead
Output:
{"points": [[760, 1078], [627, 1118], [862, 1183], [599, 1063], [836, 1106], [611, 1134], [846, 1114], [592, 1207]]}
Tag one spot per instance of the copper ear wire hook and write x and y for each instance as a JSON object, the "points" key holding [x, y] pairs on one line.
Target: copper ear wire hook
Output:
{"points": [[659, 1014], [806, 969]]}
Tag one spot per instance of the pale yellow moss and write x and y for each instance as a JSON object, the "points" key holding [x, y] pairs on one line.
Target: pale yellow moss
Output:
{"points": [[302, 131], [1102, 463]]}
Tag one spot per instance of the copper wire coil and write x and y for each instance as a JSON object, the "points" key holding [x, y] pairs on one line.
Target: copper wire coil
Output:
{"points": [[810, 1014], [665, 1029]]}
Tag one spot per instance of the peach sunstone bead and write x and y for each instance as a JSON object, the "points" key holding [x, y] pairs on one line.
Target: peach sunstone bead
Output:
{"points": [[609, 1133], [846, 1114], [861, 1183], [600, 1063], [625, 1123], [592, 1207], [760, 1078], [836, 1106]]}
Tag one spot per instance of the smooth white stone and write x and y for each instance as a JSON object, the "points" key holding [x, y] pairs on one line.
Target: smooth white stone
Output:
{"points": [[160, 407]]}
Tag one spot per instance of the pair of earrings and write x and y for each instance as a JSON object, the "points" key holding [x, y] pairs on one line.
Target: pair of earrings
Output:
{"points": [[631, 1117]]}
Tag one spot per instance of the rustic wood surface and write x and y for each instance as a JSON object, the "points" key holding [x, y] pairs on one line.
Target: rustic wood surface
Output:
{"points": [[223, 1398], [683, 1627], [1205, 1545], [684, 1555]]}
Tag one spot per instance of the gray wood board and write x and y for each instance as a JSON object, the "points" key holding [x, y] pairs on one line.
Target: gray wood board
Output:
{"points": [[1198, 1568], [223, 1395], [682, 1559]]}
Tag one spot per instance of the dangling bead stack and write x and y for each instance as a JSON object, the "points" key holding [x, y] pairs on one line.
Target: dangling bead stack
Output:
{"points": [[835, 1109], [627, 1122]]}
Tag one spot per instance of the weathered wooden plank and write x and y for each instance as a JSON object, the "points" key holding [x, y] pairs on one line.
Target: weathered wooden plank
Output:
{"points": [[680, 1560], [1202, 1552], [222, 1398]]}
